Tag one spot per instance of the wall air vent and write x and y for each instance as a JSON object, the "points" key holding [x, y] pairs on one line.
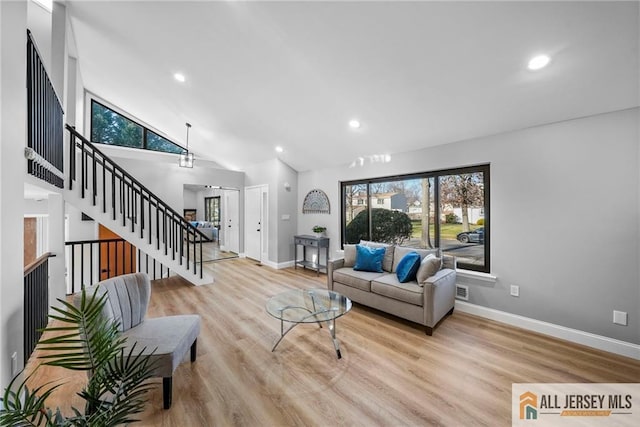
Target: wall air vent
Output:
{"points": [[462, 292]]}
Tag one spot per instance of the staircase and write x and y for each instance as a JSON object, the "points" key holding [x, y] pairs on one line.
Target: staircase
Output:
{"points": [[100, 188]]}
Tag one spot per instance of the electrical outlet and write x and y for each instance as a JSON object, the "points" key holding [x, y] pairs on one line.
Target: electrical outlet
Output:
{"points": [[620, 317], [14, 364], [515, 290]]}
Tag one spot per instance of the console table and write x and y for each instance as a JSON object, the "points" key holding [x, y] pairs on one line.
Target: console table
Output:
{"points": [[312, 242]]}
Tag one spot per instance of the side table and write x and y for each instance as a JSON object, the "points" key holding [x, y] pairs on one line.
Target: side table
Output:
{"points": [[312, 242]]}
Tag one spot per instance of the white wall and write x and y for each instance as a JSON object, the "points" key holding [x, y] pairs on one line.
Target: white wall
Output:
{"points": [[274, 173], [189, 201], [39, 22], [79, 229], [13, 108], [287, 211], [565, 205], [56, 239], [36, 207]]}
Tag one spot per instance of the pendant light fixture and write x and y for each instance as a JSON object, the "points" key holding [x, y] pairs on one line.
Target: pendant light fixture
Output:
{"points": [[186, 158]]}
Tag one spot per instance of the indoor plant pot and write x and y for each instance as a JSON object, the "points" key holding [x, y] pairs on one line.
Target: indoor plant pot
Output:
{"points": [[319, 230]]}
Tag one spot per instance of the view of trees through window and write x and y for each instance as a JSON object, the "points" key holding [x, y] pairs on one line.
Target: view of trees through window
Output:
{"points": [[212, 210], [110, 127], [157, 143], [446, 209]]}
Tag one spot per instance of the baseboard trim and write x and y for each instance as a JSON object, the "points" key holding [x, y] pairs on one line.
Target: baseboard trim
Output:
{"points": [[286, 264], [599, 342], [278, 266], [269, 264]]}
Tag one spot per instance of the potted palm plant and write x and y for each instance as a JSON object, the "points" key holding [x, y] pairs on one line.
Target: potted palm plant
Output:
{"points": [[87, 341]]}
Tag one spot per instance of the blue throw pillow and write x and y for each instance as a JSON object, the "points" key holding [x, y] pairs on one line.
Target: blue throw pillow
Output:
{"points": [[369, 259], [408, 267]]}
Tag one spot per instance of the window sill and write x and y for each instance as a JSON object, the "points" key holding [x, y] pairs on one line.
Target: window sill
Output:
{"points": [[485, 277]]}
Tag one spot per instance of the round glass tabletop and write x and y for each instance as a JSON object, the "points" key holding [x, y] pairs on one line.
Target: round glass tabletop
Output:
{"points": [[308, 305]]}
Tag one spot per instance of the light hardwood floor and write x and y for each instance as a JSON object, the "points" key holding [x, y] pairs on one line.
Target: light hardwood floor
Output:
{"points": [[211, 252], [391, 373]]}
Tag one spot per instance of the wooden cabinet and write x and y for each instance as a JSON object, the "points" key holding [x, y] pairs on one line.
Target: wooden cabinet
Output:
{"points": [[316, 244]]}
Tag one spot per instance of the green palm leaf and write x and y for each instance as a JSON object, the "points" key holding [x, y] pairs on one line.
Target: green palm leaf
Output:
{"points": [[23, 407], [88, 341], [118, 390]]}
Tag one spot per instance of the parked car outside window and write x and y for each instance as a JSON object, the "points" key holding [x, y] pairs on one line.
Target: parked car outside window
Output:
{"points": [[473, 236]]}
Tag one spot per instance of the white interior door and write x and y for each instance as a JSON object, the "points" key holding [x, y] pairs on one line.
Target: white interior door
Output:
{"points": [[264, 221], [231, 221], [253, 223]]}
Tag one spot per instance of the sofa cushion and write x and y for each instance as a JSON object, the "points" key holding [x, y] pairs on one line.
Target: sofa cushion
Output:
{"points": [[369, 258], [401, 251], [429, 266], [349, 255], [356, 279], [408, 267], [389, 286], [168, 338], [387, 262]]}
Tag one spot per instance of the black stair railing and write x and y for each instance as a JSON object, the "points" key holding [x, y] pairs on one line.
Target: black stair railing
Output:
{"points": [[36, 302], [132, 204], [91, 261], [44, 121]]}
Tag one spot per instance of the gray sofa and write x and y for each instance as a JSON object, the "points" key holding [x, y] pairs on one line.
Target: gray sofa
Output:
{"points": [[207, 228], [425, 300]]}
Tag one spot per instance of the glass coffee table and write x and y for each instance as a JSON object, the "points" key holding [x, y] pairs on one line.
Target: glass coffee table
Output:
{"points": [[309, 306]]}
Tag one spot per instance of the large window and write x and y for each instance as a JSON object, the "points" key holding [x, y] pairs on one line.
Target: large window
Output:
{"points": [[110, 127], [212, 210], [444, 209]]}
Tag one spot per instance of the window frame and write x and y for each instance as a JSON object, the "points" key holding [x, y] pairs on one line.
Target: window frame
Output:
{"points": [[207, 213], [480, 168], [145, 130]]}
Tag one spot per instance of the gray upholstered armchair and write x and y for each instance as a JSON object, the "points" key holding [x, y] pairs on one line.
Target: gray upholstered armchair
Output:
{"points": [[169, 337]]}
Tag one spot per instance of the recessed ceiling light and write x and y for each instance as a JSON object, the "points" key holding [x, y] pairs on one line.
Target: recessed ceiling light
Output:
{"points": [[538, 62], [354, 124], [279, 149], [179, 77]]}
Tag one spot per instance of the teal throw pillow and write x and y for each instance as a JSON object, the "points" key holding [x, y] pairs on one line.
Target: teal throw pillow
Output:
{"points": [[369, 259], [408, 267]]}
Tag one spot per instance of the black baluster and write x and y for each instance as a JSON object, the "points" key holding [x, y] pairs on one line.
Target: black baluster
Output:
{"points": [[91, 263]]}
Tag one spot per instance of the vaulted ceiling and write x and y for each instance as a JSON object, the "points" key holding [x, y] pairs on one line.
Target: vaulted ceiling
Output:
{"points": [[293, 74]]}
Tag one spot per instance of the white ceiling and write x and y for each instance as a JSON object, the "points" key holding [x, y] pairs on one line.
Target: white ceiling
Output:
{"points": [[416, 74]]}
